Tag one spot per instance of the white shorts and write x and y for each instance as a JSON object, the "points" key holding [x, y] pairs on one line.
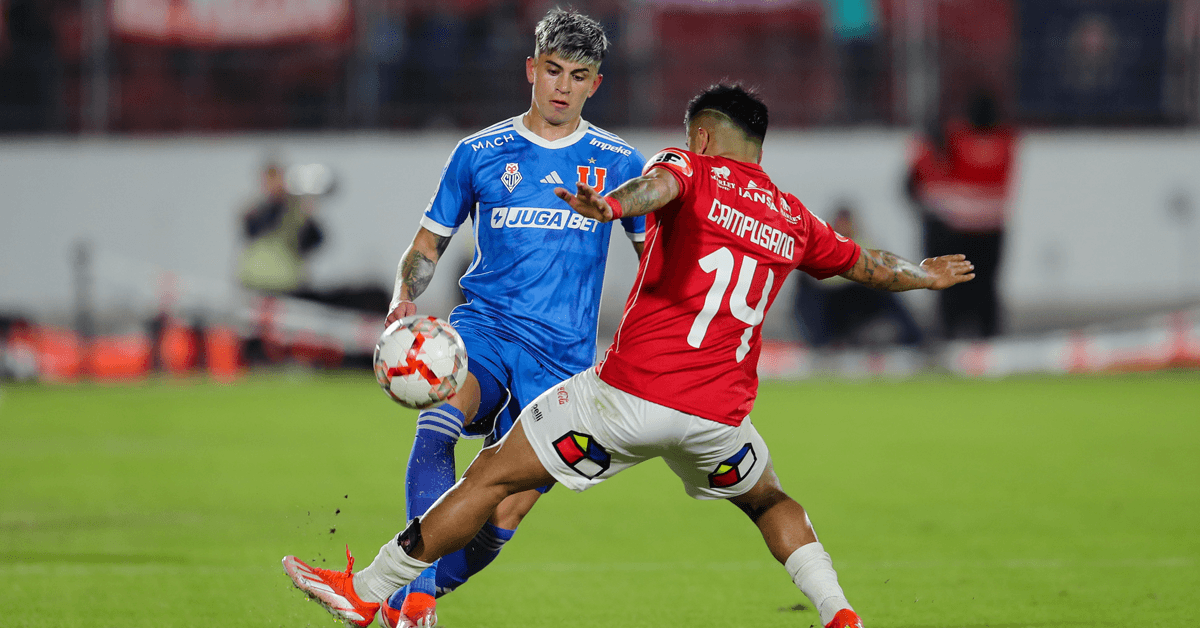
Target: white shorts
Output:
{"points": [[585, 431]]}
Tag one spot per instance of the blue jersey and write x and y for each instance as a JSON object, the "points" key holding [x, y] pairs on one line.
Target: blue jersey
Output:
{"points": [[538, 270]]}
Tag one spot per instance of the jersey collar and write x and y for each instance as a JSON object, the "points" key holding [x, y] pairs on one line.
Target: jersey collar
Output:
{"points": [[523, 131]]}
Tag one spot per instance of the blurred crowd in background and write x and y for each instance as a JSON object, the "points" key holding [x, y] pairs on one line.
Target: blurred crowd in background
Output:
{"points": [[151, 66], [212, 68]]}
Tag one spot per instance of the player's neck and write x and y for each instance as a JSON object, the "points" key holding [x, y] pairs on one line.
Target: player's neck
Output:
{"points": [[745, 156], [744, 151], [547, 131]]}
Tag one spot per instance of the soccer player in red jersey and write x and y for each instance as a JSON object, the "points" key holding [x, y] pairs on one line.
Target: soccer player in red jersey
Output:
{"points": [[679, 380], [962, 182]]}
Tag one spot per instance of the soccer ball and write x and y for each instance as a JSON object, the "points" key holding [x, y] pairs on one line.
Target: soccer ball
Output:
{"points": [[420, 361]]}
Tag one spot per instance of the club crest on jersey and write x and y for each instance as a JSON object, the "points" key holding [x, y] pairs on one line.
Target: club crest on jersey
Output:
{"points": [[589, 173], [582, 454], [511, 176], [735, 468]]}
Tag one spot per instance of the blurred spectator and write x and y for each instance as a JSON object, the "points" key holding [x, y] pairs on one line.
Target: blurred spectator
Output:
{"points": [[960, 183], [854, 27], [280, 234], [837, 311]]}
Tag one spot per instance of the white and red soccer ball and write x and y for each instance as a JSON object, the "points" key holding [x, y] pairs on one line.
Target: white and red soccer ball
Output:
{"points": [[420, 361]]}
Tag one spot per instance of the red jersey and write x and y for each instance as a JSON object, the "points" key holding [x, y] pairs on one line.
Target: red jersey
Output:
{"points": [[968, 185], [715, 259]]}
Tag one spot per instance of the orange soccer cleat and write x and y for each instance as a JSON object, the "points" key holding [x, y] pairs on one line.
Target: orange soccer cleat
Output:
{"points": [[418, 611], [845, 618], [332, 589]]}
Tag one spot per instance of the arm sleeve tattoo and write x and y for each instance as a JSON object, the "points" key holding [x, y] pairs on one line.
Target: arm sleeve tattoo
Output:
{"points": [[416, 269], [887, 271], [642, 195]]}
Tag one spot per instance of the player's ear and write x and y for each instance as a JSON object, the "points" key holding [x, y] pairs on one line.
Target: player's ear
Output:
{"points": [[596, 84], [530, 65], [699, 140]]}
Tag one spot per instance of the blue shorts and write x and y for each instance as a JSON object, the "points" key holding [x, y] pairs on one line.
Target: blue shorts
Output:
{"points": [[509, 379]]}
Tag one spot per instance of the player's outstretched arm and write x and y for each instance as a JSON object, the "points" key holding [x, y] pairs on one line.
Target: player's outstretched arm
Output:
{"points": [[414, 273], [888, 271], [636, 197]]}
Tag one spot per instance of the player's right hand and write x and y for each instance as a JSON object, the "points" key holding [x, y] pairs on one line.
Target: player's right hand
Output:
{"points": [[399, 311], [948, 270]]}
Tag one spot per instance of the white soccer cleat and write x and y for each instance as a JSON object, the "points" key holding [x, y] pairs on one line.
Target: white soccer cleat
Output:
{"points": [[333, 590]]}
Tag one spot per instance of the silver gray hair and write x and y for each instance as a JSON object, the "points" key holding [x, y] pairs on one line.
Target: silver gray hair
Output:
{"points": [[574, 36]]}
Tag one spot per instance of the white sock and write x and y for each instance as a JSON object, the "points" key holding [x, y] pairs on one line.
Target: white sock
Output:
{"points": [[391, 569], [811, 569]]}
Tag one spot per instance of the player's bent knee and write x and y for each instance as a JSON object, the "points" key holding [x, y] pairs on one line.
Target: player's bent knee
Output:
{"points": [[756, 504], [493, 468], [467, 399], [763, 496]]}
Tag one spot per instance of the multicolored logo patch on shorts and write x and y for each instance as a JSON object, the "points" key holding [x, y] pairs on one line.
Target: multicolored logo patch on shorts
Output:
{"points": [[734, 469], [582, 454]]}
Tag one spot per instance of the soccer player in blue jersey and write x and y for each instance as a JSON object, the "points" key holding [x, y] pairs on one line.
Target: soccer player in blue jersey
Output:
{"points": [[533, 289]]}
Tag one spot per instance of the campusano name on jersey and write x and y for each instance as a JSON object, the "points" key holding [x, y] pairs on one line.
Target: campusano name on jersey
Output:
{"points": [[760, 233]]}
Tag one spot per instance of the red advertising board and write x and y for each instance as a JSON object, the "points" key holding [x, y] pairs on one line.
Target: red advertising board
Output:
{"points": [[230, 22]]}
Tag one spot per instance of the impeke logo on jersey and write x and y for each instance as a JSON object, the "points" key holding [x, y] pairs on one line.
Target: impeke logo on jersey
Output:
{"points": [[511, 176], [582, 454], [606, 146]]}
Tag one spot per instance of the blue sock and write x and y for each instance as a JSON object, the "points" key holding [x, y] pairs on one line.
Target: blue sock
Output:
{"points": [[455, 569], [430, 474]]}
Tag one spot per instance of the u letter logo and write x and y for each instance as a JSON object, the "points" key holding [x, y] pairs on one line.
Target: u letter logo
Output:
{"points": [[587, 173]]}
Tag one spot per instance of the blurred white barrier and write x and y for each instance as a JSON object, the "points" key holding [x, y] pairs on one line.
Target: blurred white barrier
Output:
{"points": [[1104, 225], [1149, 343]]}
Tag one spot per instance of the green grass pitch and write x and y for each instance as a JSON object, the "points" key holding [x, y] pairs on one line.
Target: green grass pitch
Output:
{"points": [[1040, 502]]}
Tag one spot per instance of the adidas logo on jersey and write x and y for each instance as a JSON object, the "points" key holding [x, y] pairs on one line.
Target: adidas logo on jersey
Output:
{"points": [[553, 178]]}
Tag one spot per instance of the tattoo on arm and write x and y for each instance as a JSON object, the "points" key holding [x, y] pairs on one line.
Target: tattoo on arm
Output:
{"points": [[416, 269], [416, 272], [644, 194], [442, 243], [887, 271]]}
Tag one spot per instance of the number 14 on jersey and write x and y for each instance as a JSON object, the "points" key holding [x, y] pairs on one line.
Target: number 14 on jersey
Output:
{"points": [[722, 263]]}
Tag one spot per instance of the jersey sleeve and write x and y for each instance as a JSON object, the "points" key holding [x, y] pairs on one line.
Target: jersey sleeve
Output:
{"points": [[455, 195], [678, 162], [827, 252]]}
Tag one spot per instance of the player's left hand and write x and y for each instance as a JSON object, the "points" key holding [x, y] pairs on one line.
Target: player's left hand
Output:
{"points": [[948, 270], [587, 202], [399, 310]]}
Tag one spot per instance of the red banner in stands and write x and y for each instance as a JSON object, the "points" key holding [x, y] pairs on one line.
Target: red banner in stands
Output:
{"points": [[230, 22]]}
